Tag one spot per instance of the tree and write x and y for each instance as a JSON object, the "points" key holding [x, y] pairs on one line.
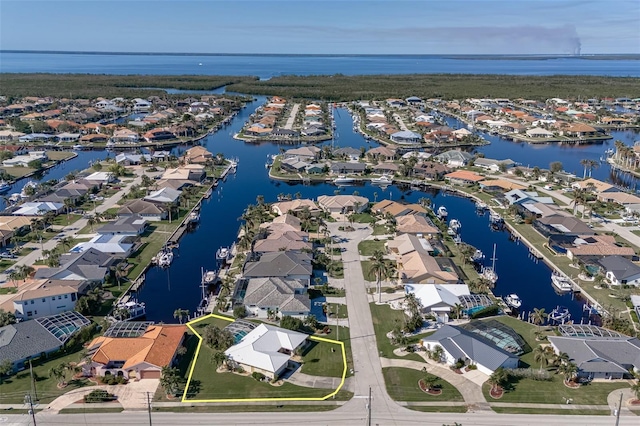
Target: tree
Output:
{"points": [[96, 166], [311, 321], [429, 381], [6, 368], [146, 181], [170, 379], [92, 220], [6, 318], [540, 356], [539, 316], [218, 358], [498, 378], [59, 374], [180, 314], [240, 312], [437, 353], [635, 388], [53, 260], [291, 323], [555, 167], [217, 338], [457, 310], [568, 370], [381, 269]]}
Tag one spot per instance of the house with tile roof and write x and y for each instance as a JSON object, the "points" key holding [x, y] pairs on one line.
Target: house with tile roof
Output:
{"points": [[397, 209], [416, 225], [146, 209], [137, 357], [463, 177], [458, 343], [595, 246], [283, 207], [267, 350], [197, 155], [343, 203]]}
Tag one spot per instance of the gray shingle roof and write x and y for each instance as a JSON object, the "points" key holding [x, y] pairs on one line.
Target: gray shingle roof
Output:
{"points": [[461, 343], [25, 339], [279, 264], [273, 291], [600, 354], [620, 267]]}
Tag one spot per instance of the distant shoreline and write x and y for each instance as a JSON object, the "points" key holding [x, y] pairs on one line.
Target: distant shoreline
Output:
{"points": [[524, 57]]}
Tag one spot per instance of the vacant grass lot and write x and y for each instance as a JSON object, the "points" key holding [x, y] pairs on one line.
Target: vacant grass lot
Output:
{"points": [[368, 247], [384, 320], [552, 392], [402, 385], [14, 388], [325, 359]]}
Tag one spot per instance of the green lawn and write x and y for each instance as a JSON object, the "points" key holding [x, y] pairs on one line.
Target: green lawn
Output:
{"points": [[569, 412], [367, 247], [65, 220], [402, 385], [362, 218], [341, 310], [325, 359], [437, 409], [18, 172], [384, 320], [14, 388], [552, 392], [366, 270], [380, 230], [207, 384], [59, 155]]}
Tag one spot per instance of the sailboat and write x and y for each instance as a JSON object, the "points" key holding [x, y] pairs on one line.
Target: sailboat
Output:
{"points": [[489, 273]]}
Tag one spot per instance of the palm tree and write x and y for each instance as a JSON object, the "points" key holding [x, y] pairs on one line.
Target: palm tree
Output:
{"points": [[379, 268], [585, 163], [635, 388], [180, 313], [539, 316], [498, 378], [429, 381], [593, 164], [58, 374], [92, 221], [540, 356], [169, 380], [218, 358], [66, 242], [457, 310], [53, 260], [437, 353], [568, 370]]}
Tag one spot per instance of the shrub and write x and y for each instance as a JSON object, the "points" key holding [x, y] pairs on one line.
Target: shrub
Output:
{"points": [[489, 311], [472, 367], [258, 376], [529, 373], [98, 395]]}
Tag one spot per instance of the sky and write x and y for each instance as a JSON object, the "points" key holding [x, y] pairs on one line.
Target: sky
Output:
{"points": [[324, 27]]}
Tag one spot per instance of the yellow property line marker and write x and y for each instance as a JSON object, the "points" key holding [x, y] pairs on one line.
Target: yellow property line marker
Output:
{"points": [[195, 360]]}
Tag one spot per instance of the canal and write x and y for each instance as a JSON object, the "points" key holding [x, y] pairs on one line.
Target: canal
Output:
{"points": [[179, 286]]}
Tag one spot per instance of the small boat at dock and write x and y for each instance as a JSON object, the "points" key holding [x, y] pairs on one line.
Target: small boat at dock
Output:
{"points": [[455, 225], [560, 314], [442, 212], [343, 180], [495, 218], [223, 254], [477, 256], [208, 193], [130, 310], [489, 272], [382, 180], [513, 301], [194, 217], [4, 186], [164, 258], [210, 277], [562, 283], [481, 206]]}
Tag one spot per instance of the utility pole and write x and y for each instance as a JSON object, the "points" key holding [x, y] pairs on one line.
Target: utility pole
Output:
{"points": [[28, 400], [149, 407], [369, 408], [34, 390], [618, 411]]}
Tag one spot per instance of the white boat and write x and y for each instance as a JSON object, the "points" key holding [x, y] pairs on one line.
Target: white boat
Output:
{"points": [[455, 225], [134, 310], [342, 179], [4, 186], [208, 193], [15, 197], [30, 184], [561, 282], [495, 218], [442, 212], [164, 258], [560, 314], [110, 145], [451, 231], [489, 272], [481, 205], [223, 254], [477, 256], [210, 277], [512, 300], [382, 180], [194, 217], [77, 147]]}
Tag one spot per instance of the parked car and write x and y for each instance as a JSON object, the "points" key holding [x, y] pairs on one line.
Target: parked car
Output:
{"points": [[6, 255]]}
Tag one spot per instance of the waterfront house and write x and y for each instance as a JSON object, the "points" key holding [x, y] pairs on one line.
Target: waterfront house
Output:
{"points": [[590, 246], [620, 270], [415, 265], [282, 264], [343, 203], [454, 158], [595, 185], [622, 198], [24, 160], [283, 207], [117, 245], [463, 177], [148, 210], [125, 136], [68, 137], [294, 165], [140, 357], [406, 137], [38, 208], [430, 170], [407, 243], [499, 185], [600, 357], [304, 153], [457, 343], [15, 149], [266, 350], [416, 225], [131, 225], [347, 153], [273, 294], [385, 168], [45, 300], [197, 155], [493, 165], [562, 223], [164, 196], [10, 135], [397, 209], [519, 196], [348, 168], [158, 134], [189, 172], [35, 137], [94, 138], [381, 153], [90, 265], [438, 299], [40, 337], [127, 159]]}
